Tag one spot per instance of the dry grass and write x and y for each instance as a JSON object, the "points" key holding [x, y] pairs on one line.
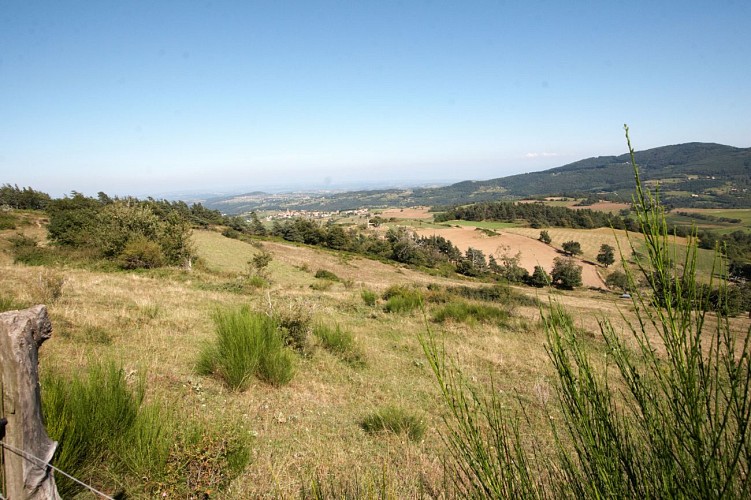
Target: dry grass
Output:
{"points": [[157, 323]]}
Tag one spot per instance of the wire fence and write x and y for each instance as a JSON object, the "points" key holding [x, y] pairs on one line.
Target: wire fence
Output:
{"points": [[42, 464]]}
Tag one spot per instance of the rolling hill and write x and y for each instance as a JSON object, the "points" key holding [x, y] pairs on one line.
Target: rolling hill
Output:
{"points": [[701, 175]]}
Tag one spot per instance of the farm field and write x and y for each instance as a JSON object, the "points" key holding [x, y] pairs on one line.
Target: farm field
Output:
{"points": [[531, 252]]}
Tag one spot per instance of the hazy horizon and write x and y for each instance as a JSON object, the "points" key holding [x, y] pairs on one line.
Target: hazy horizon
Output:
{"points": [[163, 97]]}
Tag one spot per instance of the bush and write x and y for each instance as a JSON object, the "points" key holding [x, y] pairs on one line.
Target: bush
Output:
{"points": [[545, 237], [141, 253], [294, 321], [248, 344], [396, 420], [26, 250], [618, 279], [468, 313], [368, 296], [104, 430], [326, 275], [322, 286]]}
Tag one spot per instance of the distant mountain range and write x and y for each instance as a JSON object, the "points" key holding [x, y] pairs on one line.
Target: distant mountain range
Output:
{"points": [[690, 175]]}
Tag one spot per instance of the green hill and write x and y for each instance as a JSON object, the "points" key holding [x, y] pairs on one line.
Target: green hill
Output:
{"points": [[695, 174]]}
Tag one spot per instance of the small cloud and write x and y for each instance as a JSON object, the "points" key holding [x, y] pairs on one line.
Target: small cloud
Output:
{"points": [[540, 155]]}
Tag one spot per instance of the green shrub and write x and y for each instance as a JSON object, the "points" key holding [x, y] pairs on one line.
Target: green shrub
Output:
{"points": [[326, 275], [248, 344], [97, 418], [141, 253], [294, 320], [256, 281], [402, 303], [468, 313], [339, 342], [401, 299], [566, 273], [502, 293], [396, 420], [369, 297]]}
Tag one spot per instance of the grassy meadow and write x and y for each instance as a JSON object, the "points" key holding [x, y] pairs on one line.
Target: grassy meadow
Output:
{"points": [[362, 414]]}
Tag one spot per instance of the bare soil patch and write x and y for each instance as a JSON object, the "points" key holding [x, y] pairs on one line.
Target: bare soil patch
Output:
{"points": [[407, 213], [532, 252]]}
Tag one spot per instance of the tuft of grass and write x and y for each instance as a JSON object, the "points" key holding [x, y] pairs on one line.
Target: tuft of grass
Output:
{"points": [[98, 418], [401, 299], [248, 344], [9, 303], [322, 286], [396, 420], [369, 297], [339, 342], [464, 312]]}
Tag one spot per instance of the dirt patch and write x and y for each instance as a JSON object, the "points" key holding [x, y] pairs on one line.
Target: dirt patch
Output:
{"points": [[407, 213], [532, 252]]}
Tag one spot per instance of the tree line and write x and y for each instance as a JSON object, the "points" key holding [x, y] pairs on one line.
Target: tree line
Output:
{"points": [[537, 215]]}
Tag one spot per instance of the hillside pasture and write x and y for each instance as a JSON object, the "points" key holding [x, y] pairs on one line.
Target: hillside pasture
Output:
{"points": [[155, 323]]}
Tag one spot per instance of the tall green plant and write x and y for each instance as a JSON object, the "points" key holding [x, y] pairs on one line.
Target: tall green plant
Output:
{"points": [[669, 416], [248, 344]]}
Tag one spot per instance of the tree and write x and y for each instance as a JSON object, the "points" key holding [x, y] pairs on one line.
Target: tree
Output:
{"points": [[618, 279], [606, 255], [566, 273], [473, 263], [545, 237], [540, 277], [572, 248]]}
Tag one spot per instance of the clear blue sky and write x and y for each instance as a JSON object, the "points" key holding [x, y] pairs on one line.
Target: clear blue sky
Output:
{"points": [[135, 97]]}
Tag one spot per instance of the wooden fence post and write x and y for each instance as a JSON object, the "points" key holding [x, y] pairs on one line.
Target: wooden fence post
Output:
{"points": [[21, 334]]}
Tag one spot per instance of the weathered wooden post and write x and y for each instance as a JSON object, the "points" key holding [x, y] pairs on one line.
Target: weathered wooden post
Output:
{"points": [[21, 334]]}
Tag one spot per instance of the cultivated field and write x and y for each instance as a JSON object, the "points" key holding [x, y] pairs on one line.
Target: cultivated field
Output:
{"points": [[531, 252]]}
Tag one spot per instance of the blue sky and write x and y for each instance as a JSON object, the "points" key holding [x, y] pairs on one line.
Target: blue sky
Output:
{"points": [[133, 97]]}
